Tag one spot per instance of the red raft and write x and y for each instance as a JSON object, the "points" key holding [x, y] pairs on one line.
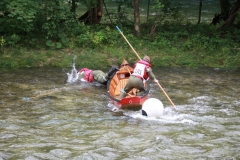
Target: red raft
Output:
{"points": [[118, 81]]}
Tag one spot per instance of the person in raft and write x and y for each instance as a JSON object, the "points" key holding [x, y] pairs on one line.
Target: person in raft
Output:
{"points": [[88, 75], [142, 72]]}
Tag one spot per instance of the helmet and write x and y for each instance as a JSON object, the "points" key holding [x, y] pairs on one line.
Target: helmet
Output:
{"points": [[147, 59]]}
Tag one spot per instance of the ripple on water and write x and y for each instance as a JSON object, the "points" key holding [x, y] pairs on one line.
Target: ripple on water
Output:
{"points": [[76, 122], [5, 155], [169, 116]]}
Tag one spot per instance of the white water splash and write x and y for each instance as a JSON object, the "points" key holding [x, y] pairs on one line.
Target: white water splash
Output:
{"points": [[169, 116], [73, 74]]}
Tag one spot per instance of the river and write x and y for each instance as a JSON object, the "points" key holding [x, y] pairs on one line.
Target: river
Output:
{"points": [[44, 117]]}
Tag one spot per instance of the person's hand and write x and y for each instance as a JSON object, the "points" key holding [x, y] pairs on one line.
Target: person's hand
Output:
{"points": [[155, 80]]}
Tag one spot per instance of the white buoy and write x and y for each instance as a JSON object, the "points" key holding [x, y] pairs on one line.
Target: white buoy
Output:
{"points": [[152, 107]]}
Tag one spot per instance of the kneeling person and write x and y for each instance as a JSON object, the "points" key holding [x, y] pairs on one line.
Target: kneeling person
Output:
{"points": [[142, 72]]}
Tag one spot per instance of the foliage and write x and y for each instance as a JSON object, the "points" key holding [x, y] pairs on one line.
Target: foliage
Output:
{"points": [[49, 20], [165, 11], [2, 42], [174, 46], [51, 34], [97, 36], [89, 3], [18, 16], [122, 12]]}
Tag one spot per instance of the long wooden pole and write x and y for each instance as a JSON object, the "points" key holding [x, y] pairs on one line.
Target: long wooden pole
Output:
{"points": [[128, 42], [141, 59], [166, 95]]}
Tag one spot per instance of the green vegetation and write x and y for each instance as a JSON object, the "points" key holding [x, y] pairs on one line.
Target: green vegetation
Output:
{"points": [[40, 42]]}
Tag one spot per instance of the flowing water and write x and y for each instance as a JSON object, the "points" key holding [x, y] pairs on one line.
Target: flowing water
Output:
{"points": [[42, 116]]}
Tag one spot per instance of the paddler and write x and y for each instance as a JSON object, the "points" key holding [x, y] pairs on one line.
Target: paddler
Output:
{"points": [[142, 72]]}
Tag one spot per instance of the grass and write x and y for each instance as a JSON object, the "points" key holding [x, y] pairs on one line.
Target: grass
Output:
{"points": [[103, 57], [175, 44]]}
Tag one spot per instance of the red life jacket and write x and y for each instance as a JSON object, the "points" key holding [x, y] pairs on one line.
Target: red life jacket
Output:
{"points": [[88, 74], [140, 70]]}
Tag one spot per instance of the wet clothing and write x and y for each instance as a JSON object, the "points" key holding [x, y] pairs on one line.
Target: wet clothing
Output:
{"points": [[100, 76], [134, 82], [142, 72], [97, 75]]}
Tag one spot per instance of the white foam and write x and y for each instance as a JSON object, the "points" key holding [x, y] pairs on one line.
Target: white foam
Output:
{"points": [[73, 74]]}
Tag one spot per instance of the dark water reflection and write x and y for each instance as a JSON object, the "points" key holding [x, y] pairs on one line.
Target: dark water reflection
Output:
{"points": [[43, 117]]}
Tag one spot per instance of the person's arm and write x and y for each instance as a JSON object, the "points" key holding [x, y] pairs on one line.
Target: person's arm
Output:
{"points": [[151, 75]]}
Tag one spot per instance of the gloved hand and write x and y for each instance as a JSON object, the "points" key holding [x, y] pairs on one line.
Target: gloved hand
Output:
{"points": [[155, 80]]}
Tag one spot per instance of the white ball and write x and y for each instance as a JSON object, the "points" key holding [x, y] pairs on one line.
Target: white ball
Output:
{"points": [[152, 107]]}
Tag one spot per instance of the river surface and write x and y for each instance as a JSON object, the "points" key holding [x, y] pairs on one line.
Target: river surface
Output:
{"points": [[44, 117]]}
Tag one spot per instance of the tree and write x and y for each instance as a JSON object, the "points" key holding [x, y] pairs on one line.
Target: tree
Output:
{"points": [[200, 11], [231, 16], [94, 13], [34, 21], [74, 6], [136, 16], [227, 14], [225, 7], [18, 16]]}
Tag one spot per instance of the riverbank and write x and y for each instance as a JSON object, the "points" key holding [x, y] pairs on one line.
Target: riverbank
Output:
{"points": [[104, 57], [174, 40]]}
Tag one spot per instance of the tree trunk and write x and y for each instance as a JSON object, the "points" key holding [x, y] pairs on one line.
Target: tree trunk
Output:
{"points": [[136, 16], [225, 7], [148, 10], [152, 33], [232, 15], [200, 11], [99, 11], [93, 15], [73, 6]]}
